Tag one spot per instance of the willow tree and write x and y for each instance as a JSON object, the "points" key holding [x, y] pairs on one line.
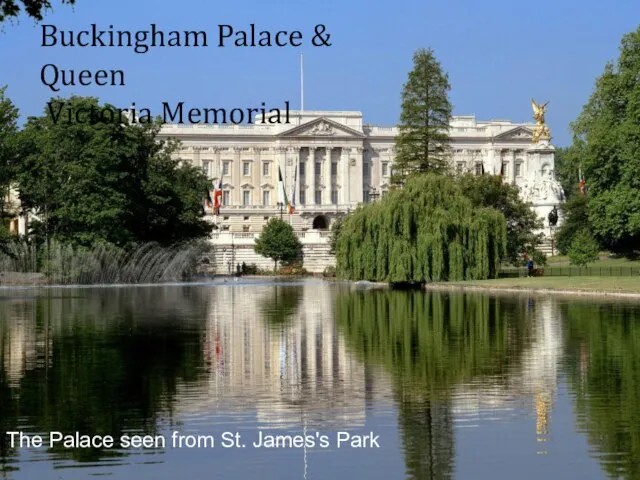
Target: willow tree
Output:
{"points": [[427, 231], [423, 142]]}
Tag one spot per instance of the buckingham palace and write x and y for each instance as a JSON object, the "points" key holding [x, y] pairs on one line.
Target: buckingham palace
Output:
{"points": [[338, 162]]}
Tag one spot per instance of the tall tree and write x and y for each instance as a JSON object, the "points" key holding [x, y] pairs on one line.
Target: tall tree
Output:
{"points": [[607, 140], [105, 180], [278, 242], [522, 222], [8, 131], [33, 8], [423, 142]]}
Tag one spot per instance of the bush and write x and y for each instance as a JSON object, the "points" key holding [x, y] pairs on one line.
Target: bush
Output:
{"points": [[329, 272], [249, 269], [294, 269], [584, 249]]}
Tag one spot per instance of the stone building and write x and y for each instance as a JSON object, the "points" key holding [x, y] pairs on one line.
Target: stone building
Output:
{"points": [[339, 162]]}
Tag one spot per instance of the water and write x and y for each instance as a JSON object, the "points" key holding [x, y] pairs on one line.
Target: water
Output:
{"points": [[449, 385]]}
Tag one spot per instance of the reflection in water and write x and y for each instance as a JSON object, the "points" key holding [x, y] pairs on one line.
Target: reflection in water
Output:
{"points": [[287, 363], [95, 361], [429, 344], [603, 342], [443, 373]]}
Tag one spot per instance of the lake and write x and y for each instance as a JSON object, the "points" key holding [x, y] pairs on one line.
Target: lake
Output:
{"points": [[318, 380]]}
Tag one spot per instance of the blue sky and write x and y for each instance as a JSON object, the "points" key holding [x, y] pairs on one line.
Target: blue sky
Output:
{"points": [[498, 54]]}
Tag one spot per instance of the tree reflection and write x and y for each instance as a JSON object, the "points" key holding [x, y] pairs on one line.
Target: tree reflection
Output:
{"points": [[104, 363], [280, 305], [430, 343], [603, 347]]}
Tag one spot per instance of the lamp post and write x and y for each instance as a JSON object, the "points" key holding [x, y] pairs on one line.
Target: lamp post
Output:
{"points": [[373, 194]]}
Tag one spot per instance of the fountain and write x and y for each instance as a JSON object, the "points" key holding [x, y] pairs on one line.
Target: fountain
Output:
{"points": [[103, 264]]}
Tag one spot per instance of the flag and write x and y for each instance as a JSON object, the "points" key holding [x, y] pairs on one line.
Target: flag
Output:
{"points": [[282, 195], [292, 202], [582, 186], [208, 202], [217, 196]]}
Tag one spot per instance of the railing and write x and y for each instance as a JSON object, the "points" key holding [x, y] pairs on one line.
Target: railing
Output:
{"points": [[573, 271], [309, 236]]}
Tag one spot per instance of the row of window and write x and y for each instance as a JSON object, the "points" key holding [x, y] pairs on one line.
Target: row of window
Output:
{"points": [[505, 168], [266, 168], [266, 197]]}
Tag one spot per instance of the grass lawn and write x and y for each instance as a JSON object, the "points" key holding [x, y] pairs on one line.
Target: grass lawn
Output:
{"points": [[602, 284], [605, 261]]}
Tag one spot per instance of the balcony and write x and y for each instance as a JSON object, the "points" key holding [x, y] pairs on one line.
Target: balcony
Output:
{"points": [[248, 238]]}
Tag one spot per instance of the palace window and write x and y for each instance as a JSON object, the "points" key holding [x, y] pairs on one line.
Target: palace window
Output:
{"points": [[265, 169], [225, 228], [365, 196], [478, 168], [302, 197], [245, 168], [226, 197], [318, 198], [245, 218], [318, 170], [301, 168], [460, 167], [266, 197], [246, 228], [226, 166], [246, 198], [334, 169], [334, 197], [505, 169], [518, 169], [266, 219], [385, 169], [206, 168]]}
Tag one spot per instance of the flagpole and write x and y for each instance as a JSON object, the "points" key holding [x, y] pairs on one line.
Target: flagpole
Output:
{"points": [[301, 84]]}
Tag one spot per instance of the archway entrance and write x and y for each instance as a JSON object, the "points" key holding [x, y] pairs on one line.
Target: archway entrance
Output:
{"points": [[320, 223]]}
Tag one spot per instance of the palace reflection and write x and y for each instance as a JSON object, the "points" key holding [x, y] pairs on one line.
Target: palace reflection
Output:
{"points": [[279, 350]]}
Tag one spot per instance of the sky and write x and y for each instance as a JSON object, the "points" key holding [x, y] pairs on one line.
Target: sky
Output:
{"points": [[498, 55]]}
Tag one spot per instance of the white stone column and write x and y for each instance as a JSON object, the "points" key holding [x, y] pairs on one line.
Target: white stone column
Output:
{"points": [[236, 172], [344, 176], [311, 171], [216, 168], [326, 176], [355, 175], [512, 167]]}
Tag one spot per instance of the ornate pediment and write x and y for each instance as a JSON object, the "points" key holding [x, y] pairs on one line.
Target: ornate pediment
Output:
{"points": [[518, 133], [322, 127], [227, 186], [267, 185], [247, 185]]}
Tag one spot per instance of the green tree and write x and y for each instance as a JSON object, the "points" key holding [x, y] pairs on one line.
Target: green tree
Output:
{"points": [[278, 242], [567, 168], [8, 131], [575, 218], [426, 231], [584, 248], [607, 136], [33, 8], [105, 180], [336, 228], [522, 222], [423, 142]]}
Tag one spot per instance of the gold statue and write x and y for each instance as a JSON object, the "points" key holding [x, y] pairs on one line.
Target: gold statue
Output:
{"points": [[541, 131]]}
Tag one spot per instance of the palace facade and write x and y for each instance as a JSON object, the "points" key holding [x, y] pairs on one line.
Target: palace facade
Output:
{"points": [[340, 162]]}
